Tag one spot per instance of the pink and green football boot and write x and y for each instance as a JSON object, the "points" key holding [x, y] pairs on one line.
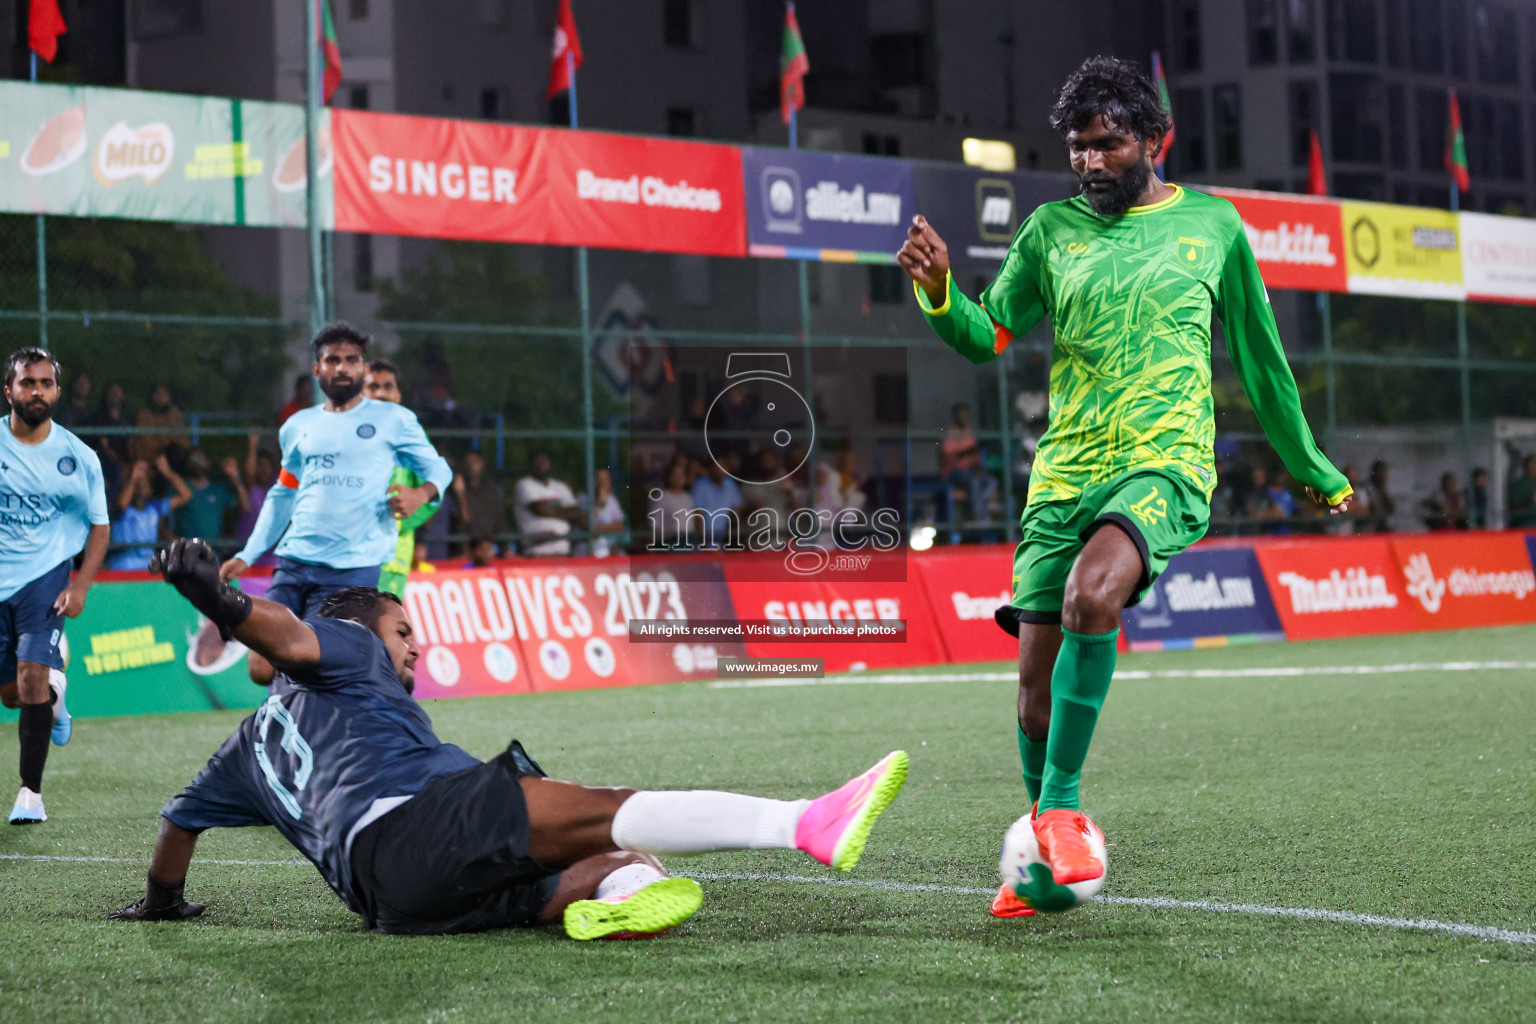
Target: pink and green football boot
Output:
{"points": [[835, 827]]}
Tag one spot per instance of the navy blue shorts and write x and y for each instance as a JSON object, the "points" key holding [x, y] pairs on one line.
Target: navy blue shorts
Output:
{"points": [[302, 587], [29, 628]]}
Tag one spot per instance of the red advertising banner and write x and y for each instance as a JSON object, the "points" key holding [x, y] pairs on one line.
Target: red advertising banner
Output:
{"points": [[964, 587], [654, 195], [467, 635], [1467, 580], [1345, 587], [835, 601], [573, 618], [1299, 242], [439, 178], [435, 178]]}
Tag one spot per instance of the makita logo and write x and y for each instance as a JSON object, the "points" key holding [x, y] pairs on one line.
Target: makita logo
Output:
{"points": [[1351, 591], [1292, 243], [1184, 593], [975, 609], [825, 201], [1430, 589]]}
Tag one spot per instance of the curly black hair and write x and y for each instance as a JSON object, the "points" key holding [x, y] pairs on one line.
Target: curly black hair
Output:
{"points": [[25, 357], [340, 333], [1119, 90], [359, 604]]}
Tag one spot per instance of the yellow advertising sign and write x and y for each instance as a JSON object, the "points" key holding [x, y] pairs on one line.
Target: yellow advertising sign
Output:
{"points": [[1410, 251], [123, 649]]}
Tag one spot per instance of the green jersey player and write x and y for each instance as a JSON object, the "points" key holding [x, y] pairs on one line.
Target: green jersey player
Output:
{"points": [[1130, 272]]}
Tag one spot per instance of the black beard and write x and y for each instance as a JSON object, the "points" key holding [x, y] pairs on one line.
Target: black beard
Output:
{"points": [[341, 394], [32, 416], [1128, 188]]}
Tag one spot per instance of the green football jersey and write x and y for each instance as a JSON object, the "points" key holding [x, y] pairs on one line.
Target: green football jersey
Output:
{"points": [[1130, 299]]}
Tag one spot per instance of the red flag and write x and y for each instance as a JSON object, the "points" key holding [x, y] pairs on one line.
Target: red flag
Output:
{"points": [[1456, 148], [566, 42], [793, 66], [330, 50], [44, 27], [1317, 180]]}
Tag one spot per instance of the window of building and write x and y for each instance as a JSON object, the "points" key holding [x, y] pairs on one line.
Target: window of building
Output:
{"points": [[1303, 120], [362, 263], [678, 24], [682, 121], [1263, 32], [887, 284], [159, 19], [1357, 116], [1188, 153], [1227, 126], [357, 97], [1430, 120], [1456, 38], [899, 59], [1301, 31], [882, 145], [1493, 137], [491, 108], [1397, 126], [1186, 35], [1426, 35], [1369, 187], [1495, 32], [357, 10], [492, 13], [1352, 32]]}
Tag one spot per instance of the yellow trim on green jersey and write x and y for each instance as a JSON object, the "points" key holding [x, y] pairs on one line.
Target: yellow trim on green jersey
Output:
{"points": [[1139, 211], [922, 296], [1337, 499]]}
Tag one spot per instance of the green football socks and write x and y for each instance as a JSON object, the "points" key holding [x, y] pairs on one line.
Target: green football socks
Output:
{"points": [[1079, 684], [1032, 754]]}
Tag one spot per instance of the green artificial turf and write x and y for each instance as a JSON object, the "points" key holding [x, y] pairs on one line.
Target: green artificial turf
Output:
{"points": [[1404, 795]]}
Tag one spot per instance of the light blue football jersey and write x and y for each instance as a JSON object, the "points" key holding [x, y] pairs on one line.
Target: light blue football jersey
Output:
{"points": [[332, 493], [51, 494]]}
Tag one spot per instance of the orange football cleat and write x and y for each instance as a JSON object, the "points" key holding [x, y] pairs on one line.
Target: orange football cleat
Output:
{"points": [[1006, 904], [1064, 844]]}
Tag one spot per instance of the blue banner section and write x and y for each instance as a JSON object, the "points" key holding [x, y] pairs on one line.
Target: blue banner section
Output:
{"points": [[1208, 592], [978, 212], [828, 206]]}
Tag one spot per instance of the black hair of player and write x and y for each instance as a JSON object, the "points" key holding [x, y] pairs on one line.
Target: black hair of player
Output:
{"points": [[384, 366], [1119, 90], [357, 604], [25, 357], [339, 333]]}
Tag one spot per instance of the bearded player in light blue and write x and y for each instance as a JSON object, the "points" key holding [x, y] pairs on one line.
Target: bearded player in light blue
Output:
{"points": [[52, 504], [333, 496]]}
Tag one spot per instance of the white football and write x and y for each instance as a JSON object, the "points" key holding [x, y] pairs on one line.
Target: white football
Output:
{"points": [[1026, 871]]}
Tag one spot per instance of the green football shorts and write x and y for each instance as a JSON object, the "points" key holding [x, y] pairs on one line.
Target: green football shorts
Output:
{"points": [[1162, 512]]}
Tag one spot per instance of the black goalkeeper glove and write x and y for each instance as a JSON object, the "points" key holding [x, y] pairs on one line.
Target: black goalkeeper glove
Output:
{"points": [[192, 568], [162, 901]]}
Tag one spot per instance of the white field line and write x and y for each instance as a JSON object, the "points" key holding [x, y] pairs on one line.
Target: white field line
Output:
{"points": [[1483, 933], [1196, 673]]}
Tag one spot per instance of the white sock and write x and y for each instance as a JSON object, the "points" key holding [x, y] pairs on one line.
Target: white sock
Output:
{"points": [[56, 684], [629, 879], [700, 820]]}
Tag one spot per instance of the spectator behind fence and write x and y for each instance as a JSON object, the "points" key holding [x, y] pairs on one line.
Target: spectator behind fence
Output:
{"points": [[1477, 500], [143, 520], [960, 464], [545, 510], [1446, 509], [302, 398], [716, 495], [1521, 496], [607, 516], [204, 513], [113, 448], [260, 473], [776, 498], [479, 506], [76, 411], [669, 507], [159, 414], [1383, 508]]}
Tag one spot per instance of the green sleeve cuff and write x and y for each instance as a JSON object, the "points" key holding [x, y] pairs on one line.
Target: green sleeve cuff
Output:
{"points": [[1337, 499], [922, 296]]}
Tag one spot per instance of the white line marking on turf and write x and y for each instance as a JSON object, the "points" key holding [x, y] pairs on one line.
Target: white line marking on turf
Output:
{"points": [[1197, 673], [1484, 933]]}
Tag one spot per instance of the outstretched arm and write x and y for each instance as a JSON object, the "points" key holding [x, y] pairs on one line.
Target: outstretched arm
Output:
{"points": [[163, 898], [1242, 306], [266, 627], [962, 324]]}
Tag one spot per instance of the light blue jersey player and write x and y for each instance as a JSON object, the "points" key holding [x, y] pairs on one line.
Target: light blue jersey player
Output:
{"points": [[52, 505], [332, 513]]}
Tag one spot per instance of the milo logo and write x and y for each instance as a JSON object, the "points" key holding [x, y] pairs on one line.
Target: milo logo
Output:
{"points": [[143, 152]]}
